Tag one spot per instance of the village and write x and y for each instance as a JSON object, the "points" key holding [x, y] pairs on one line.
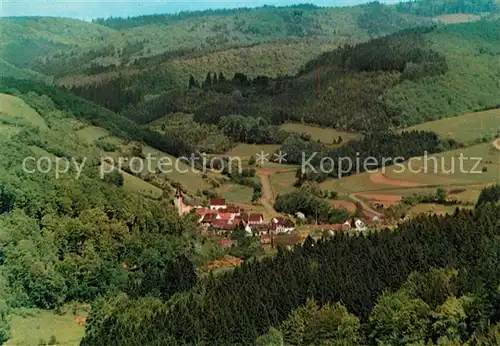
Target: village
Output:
{"points": [[220, 219]]}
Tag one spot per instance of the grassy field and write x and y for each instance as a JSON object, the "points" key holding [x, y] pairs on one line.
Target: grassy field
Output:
{"points": [[14, 110], [283, 183], [324, 135], [244, 150], [458, 18], [136, 184], [41, 325], [466, 128], [235, 193], [434, 172]]}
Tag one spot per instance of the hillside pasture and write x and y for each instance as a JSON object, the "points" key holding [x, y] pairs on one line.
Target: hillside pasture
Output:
{"points": [[244, 150], [7, 131], [444, 169], [324, 135], [457, 18], [15, 111], [466, 128], [33, 326]]}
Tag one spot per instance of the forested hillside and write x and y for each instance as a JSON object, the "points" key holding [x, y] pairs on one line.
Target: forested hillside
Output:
{"points": [[132, 66], [61, 46], [70, 236], [399, 80], [362, 272]]}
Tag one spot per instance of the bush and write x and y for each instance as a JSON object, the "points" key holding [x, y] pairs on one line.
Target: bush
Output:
{"points": [[52, 340]]}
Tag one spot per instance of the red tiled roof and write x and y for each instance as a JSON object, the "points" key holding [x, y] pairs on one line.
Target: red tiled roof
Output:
{"points": [[209, 218], [222, 224], [217, 202], [281, 221], [223, 215], [232, 209], [255, 217]]}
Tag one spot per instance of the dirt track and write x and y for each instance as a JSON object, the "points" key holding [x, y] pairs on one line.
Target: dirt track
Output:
{"points": [[366, 207], [267, 199]]}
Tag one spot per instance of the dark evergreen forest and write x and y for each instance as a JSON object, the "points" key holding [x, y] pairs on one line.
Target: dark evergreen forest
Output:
{"points": [[237, 307]]}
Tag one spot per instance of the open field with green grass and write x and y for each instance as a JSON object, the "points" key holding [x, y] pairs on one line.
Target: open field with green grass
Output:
{"points": [[433, 170], [40, 325], [324, 135], [235, 193], [466, 128], [14, 110], [457, 18], [283, 183], [244, 150]]}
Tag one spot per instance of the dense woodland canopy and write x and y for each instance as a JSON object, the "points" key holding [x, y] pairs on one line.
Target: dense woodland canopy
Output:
{"points": [[237, 307], [288, 98], [390, 75], [70, 239], [131, 22]]}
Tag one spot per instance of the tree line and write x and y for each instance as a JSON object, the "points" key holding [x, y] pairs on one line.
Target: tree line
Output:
{"points": [[431, 8]]}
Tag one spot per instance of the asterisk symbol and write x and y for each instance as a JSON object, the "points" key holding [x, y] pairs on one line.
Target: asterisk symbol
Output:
{"points": [[262, 157], [280, 157]]}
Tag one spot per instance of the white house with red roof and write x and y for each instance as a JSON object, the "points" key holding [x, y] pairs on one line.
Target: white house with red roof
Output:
{"points": [[217, 203], [255, 219], [282, 225]]}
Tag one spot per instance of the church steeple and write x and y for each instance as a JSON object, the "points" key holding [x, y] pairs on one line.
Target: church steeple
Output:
{"points": [[179, 200]]}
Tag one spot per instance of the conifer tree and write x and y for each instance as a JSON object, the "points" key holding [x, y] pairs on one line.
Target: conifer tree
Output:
{"points": [[192, 82]]}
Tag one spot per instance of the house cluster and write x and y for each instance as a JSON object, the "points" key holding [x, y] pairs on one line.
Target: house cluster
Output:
{"points": [[353, 225], [222, 218]]}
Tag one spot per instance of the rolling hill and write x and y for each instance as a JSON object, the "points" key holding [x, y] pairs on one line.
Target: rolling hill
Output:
{"points": [[66, 46]]}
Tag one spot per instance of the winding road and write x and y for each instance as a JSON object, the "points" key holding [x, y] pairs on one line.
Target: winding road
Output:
{"points": [[366, 207]]}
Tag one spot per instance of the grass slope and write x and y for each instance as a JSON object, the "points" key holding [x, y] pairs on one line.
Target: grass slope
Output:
{"points": [[13, 110], [324, 135], [466, 128], [40, 325]]}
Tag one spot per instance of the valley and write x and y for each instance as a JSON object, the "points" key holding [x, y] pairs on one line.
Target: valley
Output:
{"points": [[296, 175]]}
